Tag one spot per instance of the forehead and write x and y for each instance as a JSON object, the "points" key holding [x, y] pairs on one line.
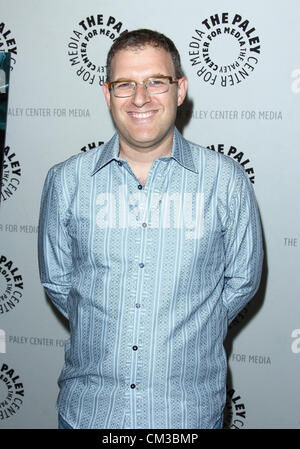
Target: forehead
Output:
{"points": [[142, 62]]}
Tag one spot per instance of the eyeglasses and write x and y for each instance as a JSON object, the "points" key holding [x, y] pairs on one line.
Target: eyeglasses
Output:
{"points": [[154, 86]]}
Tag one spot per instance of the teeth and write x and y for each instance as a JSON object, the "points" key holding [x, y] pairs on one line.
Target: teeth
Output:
{"points": [[141, 114]]}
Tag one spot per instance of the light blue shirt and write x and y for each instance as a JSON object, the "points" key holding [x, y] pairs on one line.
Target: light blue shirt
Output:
{"points": [[149, 278]]}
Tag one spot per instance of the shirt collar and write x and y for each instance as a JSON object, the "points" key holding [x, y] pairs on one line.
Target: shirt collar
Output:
{"points": [[181, 152], [109, 151]]}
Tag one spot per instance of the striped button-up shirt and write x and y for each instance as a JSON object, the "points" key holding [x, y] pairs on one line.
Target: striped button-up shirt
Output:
{"points": [[149, 278]]}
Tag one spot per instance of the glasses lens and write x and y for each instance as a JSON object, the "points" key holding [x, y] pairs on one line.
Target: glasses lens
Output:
{"points": [[123, 88], [158, 85], [153, 86]]}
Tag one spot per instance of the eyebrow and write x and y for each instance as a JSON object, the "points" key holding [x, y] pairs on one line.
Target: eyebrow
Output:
{"points": [[150, 76]]}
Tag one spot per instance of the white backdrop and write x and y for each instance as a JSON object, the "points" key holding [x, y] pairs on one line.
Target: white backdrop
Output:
{"points": [[243, 64]]}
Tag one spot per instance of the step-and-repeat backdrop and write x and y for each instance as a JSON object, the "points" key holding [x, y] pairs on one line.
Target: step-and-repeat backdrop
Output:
{"points": [[243, 64]]}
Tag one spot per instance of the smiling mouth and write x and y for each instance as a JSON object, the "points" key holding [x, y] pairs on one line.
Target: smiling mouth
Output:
{"points": [[142, 115]]}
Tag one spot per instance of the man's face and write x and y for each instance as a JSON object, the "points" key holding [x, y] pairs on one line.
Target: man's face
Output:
{"points": [[144, 121]]}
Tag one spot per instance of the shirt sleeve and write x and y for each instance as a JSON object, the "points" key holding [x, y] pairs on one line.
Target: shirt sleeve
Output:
{"points": [[54, 246], [243, 249]]}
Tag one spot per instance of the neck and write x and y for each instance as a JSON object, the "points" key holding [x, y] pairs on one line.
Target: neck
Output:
{"points": [[141, 159], [140, 155]]}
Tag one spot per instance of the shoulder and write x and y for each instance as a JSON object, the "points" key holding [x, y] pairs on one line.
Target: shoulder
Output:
{"points": [[78, 162], [63, 179], [76, 168], [217, 163]]}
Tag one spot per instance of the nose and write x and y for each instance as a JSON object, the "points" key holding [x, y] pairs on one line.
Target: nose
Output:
{"points": [[141, 96]]}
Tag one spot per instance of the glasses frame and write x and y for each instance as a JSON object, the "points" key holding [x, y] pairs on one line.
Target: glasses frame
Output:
{"points": [[110, 84]]}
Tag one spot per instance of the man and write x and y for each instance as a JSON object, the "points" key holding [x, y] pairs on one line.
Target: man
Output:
{"points": [[150, 245]]}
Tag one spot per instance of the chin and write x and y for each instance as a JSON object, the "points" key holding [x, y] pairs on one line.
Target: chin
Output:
{"points": [[142, 144], [143, 140]]}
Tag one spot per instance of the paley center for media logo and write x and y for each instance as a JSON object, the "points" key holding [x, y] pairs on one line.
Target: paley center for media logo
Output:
{"points": [[11, 285], [89, 44], [11, 174], [8, 43], [237, 155], [224, 49], [91, 146], [235, 411], [11, 392]]}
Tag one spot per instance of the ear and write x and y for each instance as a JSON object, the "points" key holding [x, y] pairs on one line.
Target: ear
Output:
{"points": [[106, 92], [182, 90]]}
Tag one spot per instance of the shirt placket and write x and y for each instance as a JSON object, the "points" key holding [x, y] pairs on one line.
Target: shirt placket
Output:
{"points": [[140, 298]]}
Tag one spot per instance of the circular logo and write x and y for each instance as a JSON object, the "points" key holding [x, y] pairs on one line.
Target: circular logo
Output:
{"points": [[11, 285], [11, 174], [235, 411], [237, 155], [89, 44], [239, 318], [91, 145], [224, 50], [8, 43], [11, 392]]}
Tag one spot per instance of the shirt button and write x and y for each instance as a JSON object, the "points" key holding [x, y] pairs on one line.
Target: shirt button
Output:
{"points": [[144, 225], [140, 187], [120, 163], [138, 305], [132, 386], [141, 265], [134, 347]]}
